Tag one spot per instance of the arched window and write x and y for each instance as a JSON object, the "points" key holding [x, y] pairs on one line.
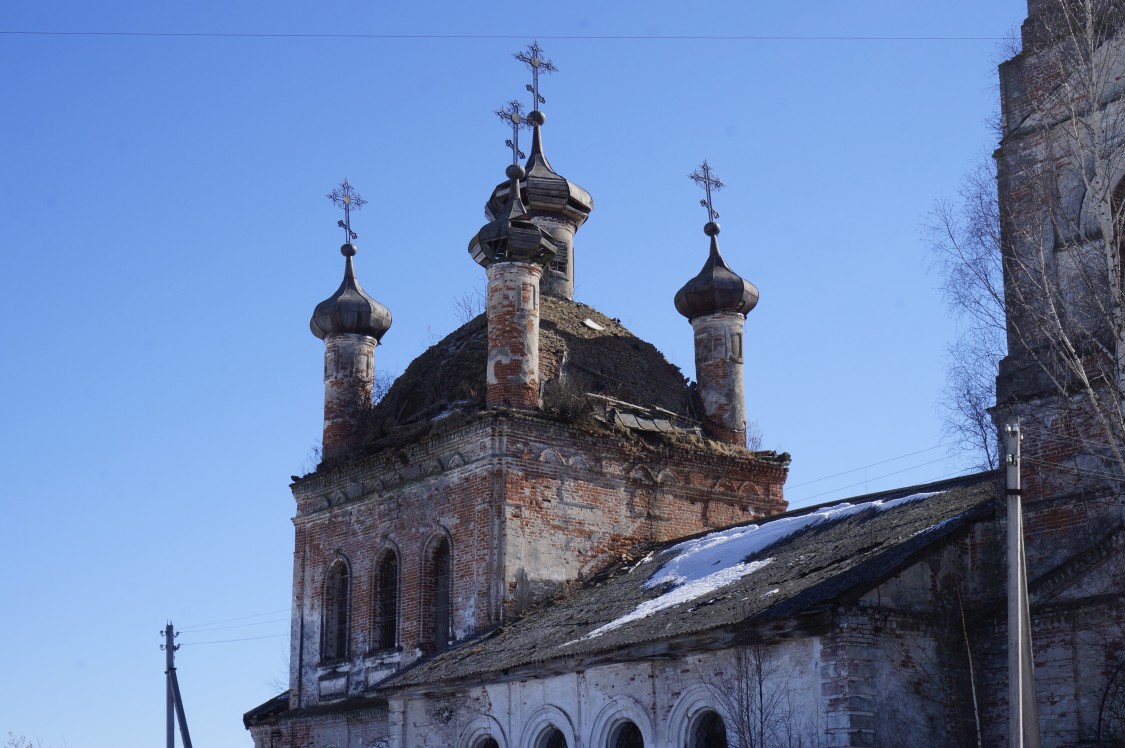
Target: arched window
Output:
{"points": [[707, 731], [488, 742], [334, 635], [626, 735], [552, 737], [436, 612], [386, 601]]}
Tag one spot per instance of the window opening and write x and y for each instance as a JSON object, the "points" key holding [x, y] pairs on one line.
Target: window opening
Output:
{"points": [[708, 732], [386, 605], [439, 588], [335, 638], [552, 738], [627, 735], [559, 263]]}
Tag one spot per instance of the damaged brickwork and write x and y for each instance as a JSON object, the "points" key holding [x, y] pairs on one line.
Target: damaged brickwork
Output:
{"points": [[512, 372], [528, 505]]}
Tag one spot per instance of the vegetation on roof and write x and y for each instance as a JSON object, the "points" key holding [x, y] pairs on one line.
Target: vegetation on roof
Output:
{"points": [[575, 358]]}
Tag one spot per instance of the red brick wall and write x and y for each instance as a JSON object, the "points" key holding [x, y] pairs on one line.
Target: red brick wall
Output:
{"points": [[528, 504]]}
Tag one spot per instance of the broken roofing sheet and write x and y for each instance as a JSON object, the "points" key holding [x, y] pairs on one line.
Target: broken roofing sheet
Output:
{"points": [[769, 569]]}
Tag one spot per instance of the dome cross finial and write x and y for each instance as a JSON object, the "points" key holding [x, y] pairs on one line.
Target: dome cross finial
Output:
{"points": [[512, 115], [710, 182], [345, 196], [534, 59]]}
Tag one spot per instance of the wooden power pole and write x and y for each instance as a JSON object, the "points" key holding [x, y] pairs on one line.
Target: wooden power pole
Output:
{"points": [[172, 688]]}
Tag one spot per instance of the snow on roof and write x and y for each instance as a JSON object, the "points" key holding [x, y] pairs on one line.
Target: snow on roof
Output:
{"points": [[700, 566]]}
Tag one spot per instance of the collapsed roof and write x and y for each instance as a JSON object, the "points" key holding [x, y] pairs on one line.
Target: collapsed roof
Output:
{"points": [[581, 351]]}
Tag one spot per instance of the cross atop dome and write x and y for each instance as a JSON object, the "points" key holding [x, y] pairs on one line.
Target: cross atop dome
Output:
{"points": [[344, 196], [511, 114], [710, 182], [537, 63], [551, 202]]}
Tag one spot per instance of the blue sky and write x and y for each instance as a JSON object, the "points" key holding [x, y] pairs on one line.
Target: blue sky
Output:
{"points": [[165, 238]]}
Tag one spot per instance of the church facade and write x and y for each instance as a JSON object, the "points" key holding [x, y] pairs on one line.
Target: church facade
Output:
{"points": [[544, 535]]}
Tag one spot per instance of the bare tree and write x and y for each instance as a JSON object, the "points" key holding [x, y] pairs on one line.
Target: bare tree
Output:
{"points": [[381, 384], [21, 741], [753, 436], [964, 238], [469, 305], [756, 692]]}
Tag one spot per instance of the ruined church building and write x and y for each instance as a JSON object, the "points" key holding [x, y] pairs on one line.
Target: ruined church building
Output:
{"points": [[543, 536]]}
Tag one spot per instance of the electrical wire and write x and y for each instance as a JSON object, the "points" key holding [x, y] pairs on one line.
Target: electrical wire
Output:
{"points": [[239, 618], [1081, 472], [1067, 439], [581, 37], [237, 625], [868, 480], [873, 464], [227, 641]]}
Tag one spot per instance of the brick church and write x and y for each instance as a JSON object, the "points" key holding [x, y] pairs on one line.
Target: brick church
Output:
{"points": [[543, 535]]}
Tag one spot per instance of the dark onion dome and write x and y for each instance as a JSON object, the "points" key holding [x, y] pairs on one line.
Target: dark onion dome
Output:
{"points": [[717, 288], [544, 190], [350, 309], [511, 237]]}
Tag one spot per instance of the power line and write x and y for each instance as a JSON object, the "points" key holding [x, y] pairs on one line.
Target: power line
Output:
{"points": [[225, 641], [868, 480], [578, 37], [239, 618], [1070, 470], [873, 464], [238, 625], [1051, 436]]}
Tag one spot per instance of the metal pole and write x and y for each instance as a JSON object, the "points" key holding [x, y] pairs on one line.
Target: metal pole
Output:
{"points": [[1023, 717], [169, 669]]}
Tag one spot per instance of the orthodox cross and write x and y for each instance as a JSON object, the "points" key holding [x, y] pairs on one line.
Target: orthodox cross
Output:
{"points": [[534, 59], [347, 198], [512, 114], [705, 178]]}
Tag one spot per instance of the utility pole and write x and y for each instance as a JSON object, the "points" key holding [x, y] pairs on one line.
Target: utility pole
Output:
{"points": [[172, 687], [1023, 712]]}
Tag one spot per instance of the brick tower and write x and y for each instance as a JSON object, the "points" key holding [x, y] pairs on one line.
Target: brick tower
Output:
{"points": [[351, 324], [716, 302], [1060, 185], [1060, 214], [513, 250]]}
